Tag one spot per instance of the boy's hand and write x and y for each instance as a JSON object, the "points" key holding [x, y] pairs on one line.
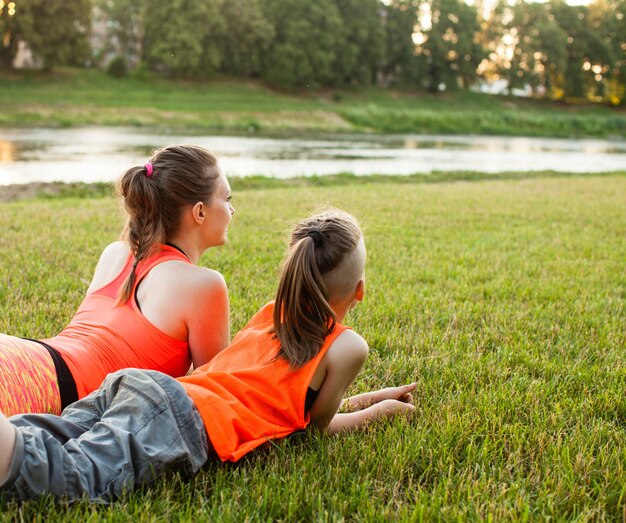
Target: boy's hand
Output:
{"points": [[369, 406], [401, 394], [390, 408]]}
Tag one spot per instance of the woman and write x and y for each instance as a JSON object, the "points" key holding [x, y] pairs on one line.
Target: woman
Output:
{"points": [[141, 308]]}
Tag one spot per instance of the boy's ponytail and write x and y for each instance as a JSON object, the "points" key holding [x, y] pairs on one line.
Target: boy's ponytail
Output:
{"points": [[303, 316]]}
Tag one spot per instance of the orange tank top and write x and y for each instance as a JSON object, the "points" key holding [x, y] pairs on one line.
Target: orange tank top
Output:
{"points": [[103, 337], [246, 396]]}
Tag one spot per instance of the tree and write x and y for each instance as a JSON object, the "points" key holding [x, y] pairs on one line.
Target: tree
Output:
{"points": [[551, 53], [534, 46], [247, 37], [607, 20], [399, 64], [452, 50], [124, 22], [361, 41], [8, 37], [587, 52], [305, 47], [181, 37], [56, 32]]}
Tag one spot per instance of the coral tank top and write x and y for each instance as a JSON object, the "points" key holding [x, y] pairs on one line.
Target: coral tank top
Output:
{"points": [[103, 337]]}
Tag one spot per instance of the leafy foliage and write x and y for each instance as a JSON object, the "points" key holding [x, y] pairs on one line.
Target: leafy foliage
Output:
{"points": [[246, 39], [557, 50], [56, 32], [118, 68], [452, 50], [305, 47], [361, 42], [8, 38], [180, 36]]}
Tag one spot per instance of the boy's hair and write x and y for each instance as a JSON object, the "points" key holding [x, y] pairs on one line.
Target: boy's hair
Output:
{"points": [[303, 316], [155, 195]]}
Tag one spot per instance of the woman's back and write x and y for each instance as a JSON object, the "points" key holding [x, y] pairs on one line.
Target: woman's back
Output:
{"points": [[103, 336]]}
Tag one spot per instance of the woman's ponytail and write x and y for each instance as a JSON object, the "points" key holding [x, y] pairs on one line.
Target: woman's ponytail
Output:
{"points": [[155, 195], [144, 230]]}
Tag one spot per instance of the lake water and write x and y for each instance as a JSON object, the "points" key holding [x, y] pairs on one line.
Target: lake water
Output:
{"points": [[102, 154]]}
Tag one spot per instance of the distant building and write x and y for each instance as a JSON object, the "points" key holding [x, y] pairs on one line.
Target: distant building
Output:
{"points": [[106, 45], [25, 59], [101, 49], [501, 86]]}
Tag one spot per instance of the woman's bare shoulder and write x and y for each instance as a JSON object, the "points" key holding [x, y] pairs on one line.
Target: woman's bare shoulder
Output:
{"points": [[110, 264], [189, 277], [116, 250]]}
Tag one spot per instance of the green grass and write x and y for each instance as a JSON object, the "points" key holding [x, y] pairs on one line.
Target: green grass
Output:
{"points": [[526, 119], [503, 299], [54, 190], [71, 97]]}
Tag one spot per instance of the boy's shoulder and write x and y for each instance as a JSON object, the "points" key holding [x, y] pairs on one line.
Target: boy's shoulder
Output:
{"points": [[265, 315], [349, 345]]}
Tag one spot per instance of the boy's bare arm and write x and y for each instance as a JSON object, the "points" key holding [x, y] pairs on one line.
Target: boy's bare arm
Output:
{"points": [[366, 399], [370, 406]]}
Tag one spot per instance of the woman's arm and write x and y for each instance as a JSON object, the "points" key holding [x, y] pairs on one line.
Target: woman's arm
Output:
{"points": [[208, 319], [188, 302], [366, 399], [7, 447]]}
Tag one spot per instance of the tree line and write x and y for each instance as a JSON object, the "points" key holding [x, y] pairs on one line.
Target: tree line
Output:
{"points": [[555, 49]]}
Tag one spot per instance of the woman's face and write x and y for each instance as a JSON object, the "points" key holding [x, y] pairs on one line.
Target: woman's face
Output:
{"points": [[219, 212]]}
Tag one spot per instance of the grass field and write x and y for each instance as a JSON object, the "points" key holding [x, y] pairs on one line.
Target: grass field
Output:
{"points": [[503, 300], [69, 97]]}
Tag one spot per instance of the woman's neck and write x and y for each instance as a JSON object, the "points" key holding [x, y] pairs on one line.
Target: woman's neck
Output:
{"points": [[186, 247]]}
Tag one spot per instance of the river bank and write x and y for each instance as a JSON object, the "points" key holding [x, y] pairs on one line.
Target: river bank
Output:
{"points": [[47, 190], [55, 190], [76, 97]]}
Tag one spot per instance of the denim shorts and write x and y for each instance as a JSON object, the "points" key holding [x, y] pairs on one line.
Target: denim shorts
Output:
{"points": [[138, 425]]}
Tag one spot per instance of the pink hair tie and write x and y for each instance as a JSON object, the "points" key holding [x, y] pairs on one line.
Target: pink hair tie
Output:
{"points": [[149, 170]]}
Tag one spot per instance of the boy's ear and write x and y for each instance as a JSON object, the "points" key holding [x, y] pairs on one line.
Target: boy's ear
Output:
{"points": [[360, 291], [198, 212]]}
